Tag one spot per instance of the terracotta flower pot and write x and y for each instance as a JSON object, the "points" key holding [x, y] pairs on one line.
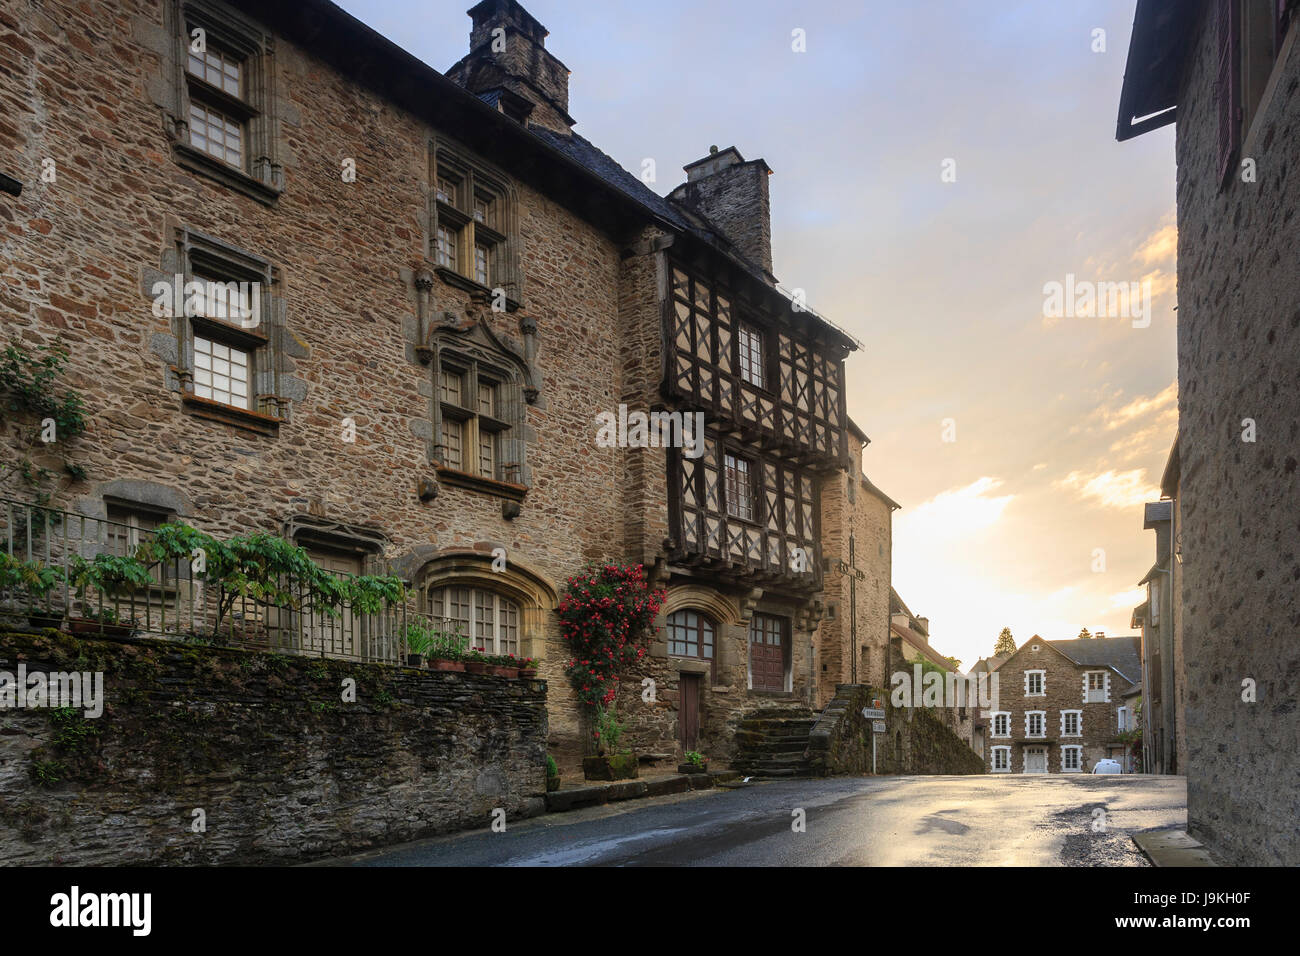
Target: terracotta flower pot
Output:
{"points": [[501, 671], [45, 620], [440, 665], [475, 667], [82, 625], [528, 673]]}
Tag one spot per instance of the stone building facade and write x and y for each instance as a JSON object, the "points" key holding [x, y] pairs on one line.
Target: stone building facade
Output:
{"points": [[448, 285], [1226, 74], [1060, 705]]}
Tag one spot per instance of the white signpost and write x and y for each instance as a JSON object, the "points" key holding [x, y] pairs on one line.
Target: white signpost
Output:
{"points": [[877, 717]]}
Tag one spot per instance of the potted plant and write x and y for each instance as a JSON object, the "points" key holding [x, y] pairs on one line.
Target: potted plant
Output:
{"points": [[105, 621], [504, 666], [110, 575], [695, 762], [552, 774], [527, 668], [446, 650], [418, 641], [475, 662], [610, 762]]}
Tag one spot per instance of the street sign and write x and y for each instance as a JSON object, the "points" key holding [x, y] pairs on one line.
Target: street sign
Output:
{"points": [[877, 726], [873, 713]]}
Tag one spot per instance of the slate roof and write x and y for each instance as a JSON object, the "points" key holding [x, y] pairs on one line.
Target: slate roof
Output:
{"points": [[1124, 654], [589, 155]]}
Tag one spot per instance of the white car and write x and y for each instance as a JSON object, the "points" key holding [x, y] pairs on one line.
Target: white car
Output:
{"points": [[1108, 766]]}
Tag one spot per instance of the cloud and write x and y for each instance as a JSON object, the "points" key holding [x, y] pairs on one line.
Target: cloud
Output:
{"points": [[1143, 407], [1112, 489], [957, 511], [1128, 599], [1160, 247]]}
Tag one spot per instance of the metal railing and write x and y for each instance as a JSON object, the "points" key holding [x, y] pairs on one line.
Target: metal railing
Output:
{"points": [[180, 604]]}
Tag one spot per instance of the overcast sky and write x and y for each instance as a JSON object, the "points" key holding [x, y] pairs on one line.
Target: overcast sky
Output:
{"points": [[1062, 425]]}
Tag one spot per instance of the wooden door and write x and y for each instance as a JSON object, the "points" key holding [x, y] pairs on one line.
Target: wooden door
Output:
{"points": [[688, 711], [767, 652]]}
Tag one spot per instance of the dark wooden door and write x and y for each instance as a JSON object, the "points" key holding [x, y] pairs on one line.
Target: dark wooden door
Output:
{"points": [[767, 651], [688, 711]]}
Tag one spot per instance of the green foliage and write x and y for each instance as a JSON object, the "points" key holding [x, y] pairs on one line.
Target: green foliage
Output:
{"points": [[28, 390], [34, 577], [552, 768], [110, 574], [270, 570], [608, 730], [47, 773], [696, 758], [1006, 644], [1084, 635], [27, 381]]}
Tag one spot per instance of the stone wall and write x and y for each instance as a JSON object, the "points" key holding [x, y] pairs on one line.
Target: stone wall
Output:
{"points": [[81, 87], [851, 505], [1238, 355], [917, 740], [283, 769]]}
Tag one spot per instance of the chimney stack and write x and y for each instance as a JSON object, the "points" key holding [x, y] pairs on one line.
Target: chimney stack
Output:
{"points": [[733, 195], [509, 67]]}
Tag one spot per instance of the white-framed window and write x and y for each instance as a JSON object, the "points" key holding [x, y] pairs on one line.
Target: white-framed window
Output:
{"points": [[1000, 759], [1071, 758], [1035, 723], [1001, 724], [1035, 683], [1071, 723], [490, 620], [222, 373], [1096, 687], [1121, 719]]}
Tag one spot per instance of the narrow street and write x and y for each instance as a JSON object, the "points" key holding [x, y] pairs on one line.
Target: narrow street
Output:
{"points": [[884, 821]]}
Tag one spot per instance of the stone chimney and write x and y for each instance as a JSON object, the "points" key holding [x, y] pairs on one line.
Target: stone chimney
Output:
{"points": [[925, 627], [509, 67], [732, 194]]}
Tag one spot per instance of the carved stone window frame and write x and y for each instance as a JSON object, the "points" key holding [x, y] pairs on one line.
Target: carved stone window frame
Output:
{"points": [[195, 253], [261, 174], [475, 351], [472, 181]]}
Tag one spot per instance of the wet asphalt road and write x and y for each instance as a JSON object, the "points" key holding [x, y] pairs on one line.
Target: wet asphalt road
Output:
{"points": [[882, 821]]}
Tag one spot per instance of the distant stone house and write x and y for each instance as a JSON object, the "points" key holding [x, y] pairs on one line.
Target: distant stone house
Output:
{"points": [[451, 284], [1061, 705], [1226, 73]]}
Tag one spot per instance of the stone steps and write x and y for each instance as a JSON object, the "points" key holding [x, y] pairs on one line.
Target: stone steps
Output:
{"points": [[773, 742]]}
